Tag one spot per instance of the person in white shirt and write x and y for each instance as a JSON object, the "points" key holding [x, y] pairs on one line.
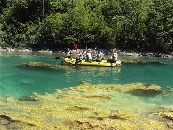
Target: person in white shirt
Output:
{"points": [[115, 55], [99, 58], [89, 56]]}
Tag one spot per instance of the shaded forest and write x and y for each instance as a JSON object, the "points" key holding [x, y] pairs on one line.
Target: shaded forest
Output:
{"points": [[139, 25]]}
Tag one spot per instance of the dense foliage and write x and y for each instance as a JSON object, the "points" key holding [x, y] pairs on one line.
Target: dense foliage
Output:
{"points": [[51, 24]]}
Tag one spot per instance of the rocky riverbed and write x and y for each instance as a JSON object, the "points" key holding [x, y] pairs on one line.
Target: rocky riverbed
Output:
{"points": [[87, 106]]}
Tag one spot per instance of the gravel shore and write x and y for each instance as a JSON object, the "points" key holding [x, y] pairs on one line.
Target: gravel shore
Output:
{"points": [[120, 52]]}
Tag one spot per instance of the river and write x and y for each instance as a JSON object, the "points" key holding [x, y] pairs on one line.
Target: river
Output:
{"points": [[20, 81]]}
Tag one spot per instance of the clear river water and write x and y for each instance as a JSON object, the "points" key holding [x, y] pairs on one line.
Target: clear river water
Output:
{"points": [[19, 81]]}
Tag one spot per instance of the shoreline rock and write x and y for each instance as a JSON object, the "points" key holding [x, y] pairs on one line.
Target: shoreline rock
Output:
{"points": [[146, 54], [120, 53]]}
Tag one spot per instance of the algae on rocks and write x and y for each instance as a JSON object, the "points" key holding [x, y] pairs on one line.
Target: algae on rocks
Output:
{"points": [[45, 65], [87, 106]]}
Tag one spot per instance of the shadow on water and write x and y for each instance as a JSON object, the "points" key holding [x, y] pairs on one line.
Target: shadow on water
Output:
{"points": [[144, 93]]}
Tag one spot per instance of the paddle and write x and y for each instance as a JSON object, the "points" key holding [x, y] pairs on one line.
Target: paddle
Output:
{"points": [[76, 63], [56, 58]]}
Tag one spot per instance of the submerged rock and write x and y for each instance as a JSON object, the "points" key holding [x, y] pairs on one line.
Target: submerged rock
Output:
{"points": [[9, 124], [98, 96], [87, 106], [45, 65], [146, 90], [141, 62], [78, 108], [37, 64], [122, 88], [26, 98]]}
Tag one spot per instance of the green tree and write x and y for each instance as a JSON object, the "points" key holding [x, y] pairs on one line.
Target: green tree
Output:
{"points": [[159, 25], [51, 24]]}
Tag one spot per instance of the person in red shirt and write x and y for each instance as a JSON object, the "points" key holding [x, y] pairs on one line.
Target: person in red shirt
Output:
{"points": [[75, 46]]}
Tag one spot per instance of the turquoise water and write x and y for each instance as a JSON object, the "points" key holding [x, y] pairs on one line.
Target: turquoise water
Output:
{"points": [[19, 81]]}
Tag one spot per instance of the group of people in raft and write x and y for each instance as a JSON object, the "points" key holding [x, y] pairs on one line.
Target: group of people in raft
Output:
{"points": [[93, 55]]}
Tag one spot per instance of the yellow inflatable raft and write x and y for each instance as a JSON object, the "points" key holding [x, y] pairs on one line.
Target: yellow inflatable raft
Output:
{"points": [[92, 63]]}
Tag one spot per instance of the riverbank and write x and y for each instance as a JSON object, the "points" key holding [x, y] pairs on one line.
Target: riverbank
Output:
{"points": [[147, 54], [23, 50], [120, 52]]}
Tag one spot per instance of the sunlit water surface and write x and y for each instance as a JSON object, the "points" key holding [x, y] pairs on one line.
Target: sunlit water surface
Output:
{"points": [[20, 81]]}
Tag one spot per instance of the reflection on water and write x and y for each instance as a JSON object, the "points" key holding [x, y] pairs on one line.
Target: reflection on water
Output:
{"points": [[100, 71], [92, 74], [99, 74]]}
